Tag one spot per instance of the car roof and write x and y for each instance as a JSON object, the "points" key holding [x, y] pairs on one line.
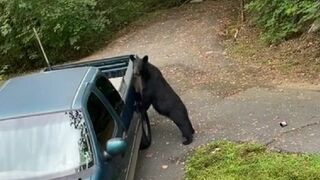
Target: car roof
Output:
{"points": [[42, 92]]}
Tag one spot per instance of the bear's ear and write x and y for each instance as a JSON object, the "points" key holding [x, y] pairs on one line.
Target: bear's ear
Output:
{"points": [[132, 57], [145, 59]]}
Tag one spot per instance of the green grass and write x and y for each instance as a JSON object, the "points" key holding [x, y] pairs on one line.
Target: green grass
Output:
{"points": [[228, 160]]}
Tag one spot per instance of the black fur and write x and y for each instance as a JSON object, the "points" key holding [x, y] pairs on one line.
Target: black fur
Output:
{"points": [[154, 90]]}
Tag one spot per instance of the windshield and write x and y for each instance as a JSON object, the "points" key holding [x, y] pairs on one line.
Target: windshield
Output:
{"points": [[44, 145]]}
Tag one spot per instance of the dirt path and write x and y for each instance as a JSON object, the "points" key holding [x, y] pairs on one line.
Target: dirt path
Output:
{"points": [[225, 99]]}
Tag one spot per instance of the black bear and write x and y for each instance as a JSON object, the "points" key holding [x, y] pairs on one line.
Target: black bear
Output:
{"points": [[154, 89]]}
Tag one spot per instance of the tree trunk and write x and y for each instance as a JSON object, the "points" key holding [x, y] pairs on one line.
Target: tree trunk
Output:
{"points": [[242, 15]]}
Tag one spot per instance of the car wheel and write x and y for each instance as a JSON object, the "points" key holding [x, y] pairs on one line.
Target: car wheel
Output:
{"points": [[146, 132]]}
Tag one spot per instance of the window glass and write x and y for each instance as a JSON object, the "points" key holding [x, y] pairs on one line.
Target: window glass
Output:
{"points": [[102, 121], [39, 147]]}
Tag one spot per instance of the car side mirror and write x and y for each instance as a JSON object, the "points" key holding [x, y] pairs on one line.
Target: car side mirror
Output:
{"points": [[114, 147]]}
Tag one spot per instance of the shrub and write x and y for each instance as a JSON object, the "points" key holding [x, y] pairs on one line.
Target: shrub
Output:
{"points": [[62, 26], [120, 12], [282, 19]]}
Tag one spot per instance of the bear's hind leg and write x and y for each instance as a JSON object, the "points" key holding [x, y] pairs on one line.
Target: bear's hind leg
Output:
{"points": [[181, 119]]}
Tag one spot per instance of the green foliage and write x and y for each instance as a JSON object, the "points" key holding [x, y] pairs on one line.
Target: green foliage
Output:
{"points": [[120, 13], [282, 19], [68, 29], [61, 24], [227, 160]]}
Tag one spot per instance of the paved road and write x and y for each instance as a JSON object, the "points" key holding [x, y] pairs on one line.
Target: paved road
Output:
{"points": [[225, 99]]}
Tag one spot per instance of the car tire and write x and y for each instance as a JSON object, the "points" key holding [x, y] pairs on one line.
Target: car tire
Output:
{"points": [[146, 132]]}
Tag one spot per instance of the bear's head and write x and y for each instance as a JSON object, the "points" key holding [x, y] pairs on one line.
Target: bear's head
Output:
{"points": [[139, 65]]}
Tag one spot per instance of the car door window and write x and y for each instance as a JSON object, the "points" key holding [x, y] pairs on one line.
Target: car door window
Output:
{"points": [[111, 94], [102, 121]]}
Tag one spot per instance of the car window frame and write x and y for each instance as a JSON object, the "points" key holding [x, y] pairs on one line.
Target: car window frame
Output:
{"points": [[106, 102]]}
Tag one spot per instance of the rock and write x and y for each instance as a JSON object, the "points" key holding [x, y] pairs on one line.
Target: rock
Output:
{"points": [[283, 124], [164, 166]]}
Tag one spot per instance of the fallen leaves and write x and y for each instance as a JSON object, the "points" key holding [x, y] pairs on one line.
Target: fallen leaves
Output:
{"points": [[149, 155]]}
